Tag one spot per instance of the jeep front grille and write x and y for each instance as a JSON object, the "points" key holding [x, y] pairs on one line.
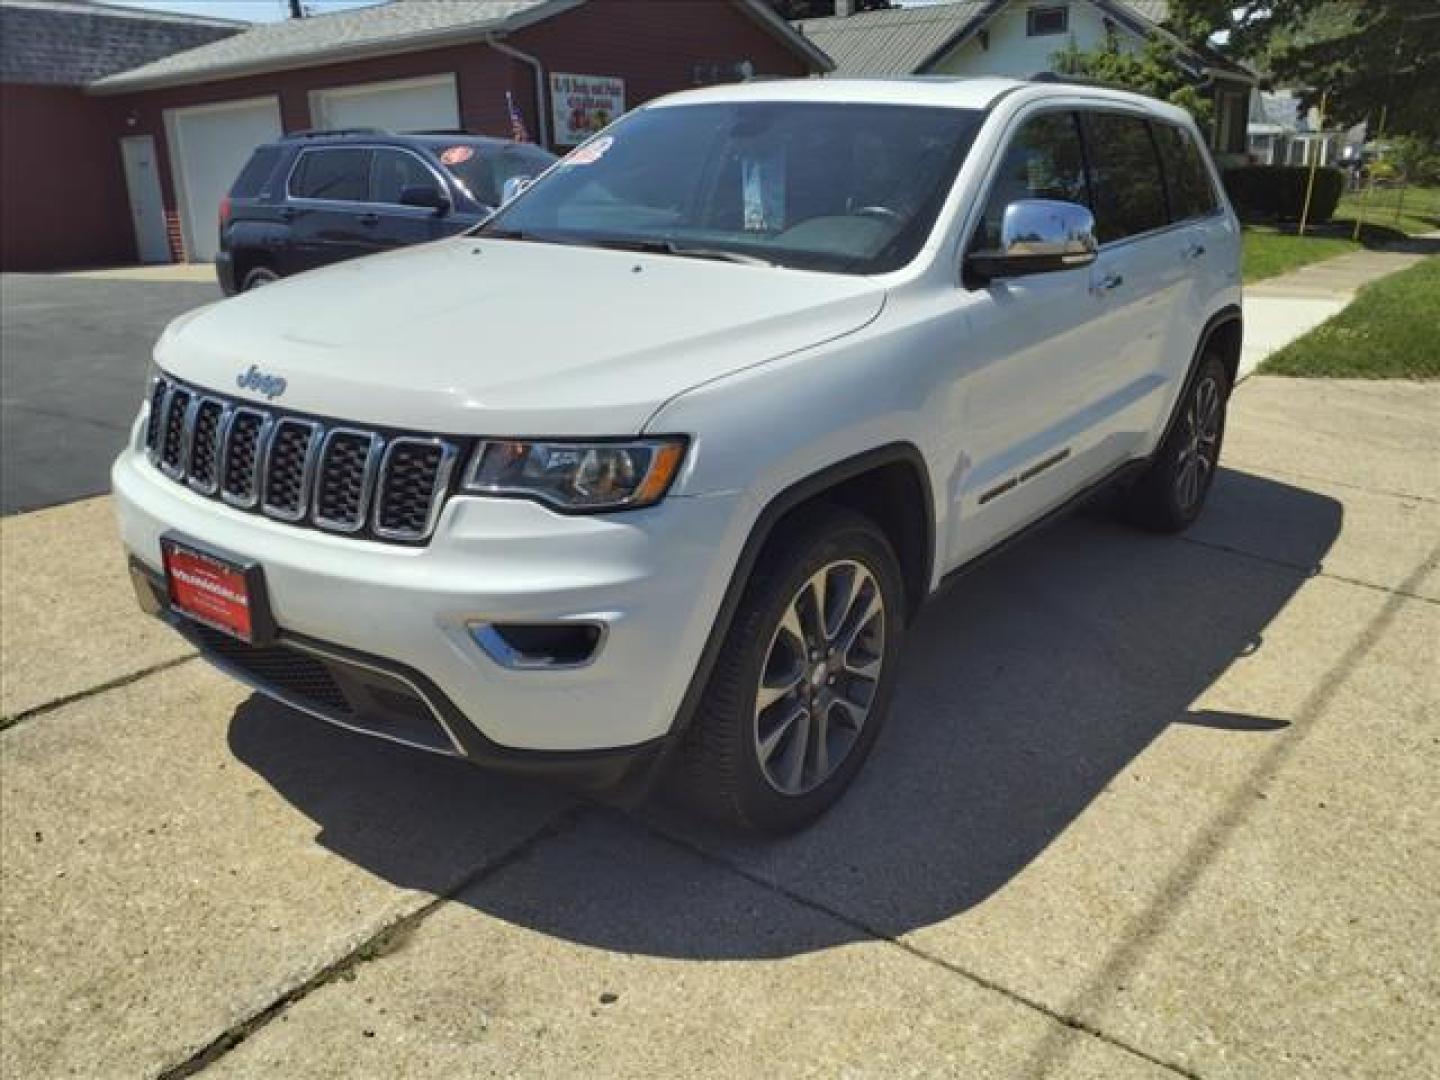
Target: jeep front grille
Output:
{"points": [[379, 484]]}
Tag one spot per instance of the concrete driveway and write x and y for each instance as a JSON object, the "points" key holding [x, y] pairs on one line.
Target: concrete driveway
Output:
{"points": [[75, 349], [1146, 808]]}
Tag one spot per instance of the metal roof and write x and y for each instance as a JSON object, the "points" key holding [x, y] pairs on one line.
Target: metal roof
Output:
{"points": [[904, 41], [379, 30], [72, 42], [891, 41]]}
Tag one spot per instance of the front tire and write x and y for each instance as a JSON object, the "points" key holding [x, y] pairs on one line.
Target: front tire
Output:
{"points": [[1172, 493], [803, 680]]}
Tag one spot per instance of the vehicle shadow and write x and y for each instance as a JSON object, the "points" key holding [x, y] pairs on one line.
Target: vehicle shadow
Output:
{"points": [[1027, 688]]}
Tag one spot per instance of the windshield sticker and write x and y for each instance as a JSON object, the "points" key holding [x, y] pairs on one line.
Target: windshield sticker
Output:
{"points": [[762, 189], [590, 152], [457, 155]]}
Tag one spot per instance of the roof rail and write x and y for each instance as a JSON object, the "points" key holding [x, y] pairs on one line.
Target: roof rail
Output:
{"points": [[324, 133], [1078, 80]]}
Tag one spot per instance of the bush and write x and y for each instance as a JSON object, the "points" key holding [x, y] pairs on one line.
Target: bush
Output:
{"points": [[1277, 192]]}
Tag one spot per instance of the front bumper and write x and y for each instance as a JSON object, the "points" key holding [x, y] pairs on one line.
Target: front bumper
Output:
{"points": [[653, 578]]}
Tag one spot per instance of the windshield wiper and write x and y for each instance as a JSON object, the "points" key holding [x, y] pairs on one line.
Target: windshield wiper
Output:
{"points": [[684, 251]]}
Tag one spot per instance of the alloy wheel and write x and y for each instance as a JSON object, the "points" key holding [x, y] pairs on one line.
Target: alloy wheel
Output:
{"points": [[1200, 447], [820, 677]]}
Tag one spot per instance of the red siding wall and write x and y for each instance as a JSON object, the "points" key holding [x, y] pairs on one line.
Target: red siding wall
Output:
{"points": [[654, 47], [64, 201]]}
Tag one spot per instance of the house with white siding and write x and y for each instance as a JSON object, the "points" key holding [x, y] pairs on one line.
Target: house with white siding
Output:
{"points": [[1019, 39]]}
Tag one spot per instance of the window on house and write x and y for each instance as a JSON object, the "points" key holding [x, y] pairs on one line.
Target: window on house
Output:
{"points": [[1044, 21]]}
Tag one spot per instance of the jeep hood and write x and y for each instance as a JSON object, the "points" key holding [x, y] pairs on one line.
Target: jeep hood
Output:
{"points": [[470, 336]]}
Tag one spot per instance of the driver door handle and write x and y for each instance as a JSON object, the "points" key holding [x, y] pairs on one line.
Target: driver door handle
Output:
{"points": [[1109, 283], [369, 219], [1194, 251]]}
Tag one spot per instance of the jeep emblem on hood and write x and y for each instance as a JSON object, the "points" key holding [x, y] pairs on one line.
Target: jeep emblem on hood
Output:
{"points": [[272, 386]]}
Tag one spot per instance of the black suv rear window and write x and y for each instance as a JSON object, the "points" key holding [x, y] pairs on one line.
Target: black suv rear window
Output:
{"points": [[255, 176], [339, 174]]}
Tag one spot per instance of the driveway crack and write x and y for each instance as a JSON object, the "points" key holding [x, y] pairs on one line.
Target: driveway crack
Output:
{"points": [[378, 944]]}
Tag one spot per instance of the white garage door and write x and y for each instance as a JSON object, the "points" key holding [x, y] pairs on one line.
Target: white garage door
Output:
{"points": [[427, 104], [209, 144]]}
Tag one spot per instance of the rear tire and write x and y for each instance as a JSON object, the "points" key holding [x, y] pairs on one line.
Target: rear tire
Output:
{"points": [[797, 697], [261, 275], [1172, 493]]}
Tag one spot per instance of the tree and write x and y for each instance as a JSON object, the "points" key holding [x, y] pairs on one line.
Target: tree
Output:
{"points": [[1154, 70], [1368, 55]]}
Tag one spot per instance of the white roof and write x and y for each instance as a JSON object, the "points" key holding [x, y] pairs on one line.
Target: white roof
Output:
{"points": [[956, 92], [952, 91]]}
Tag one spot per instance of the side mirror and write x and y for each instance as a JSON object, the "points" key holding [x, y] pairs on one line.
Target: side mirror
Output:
{"points": [[426, 196], [514, 186], [1038, 236]]}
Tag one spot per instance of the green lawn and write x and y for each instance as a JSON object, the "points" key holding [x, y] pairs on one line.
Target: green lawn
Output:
{"points": [[1269, 250], [1390, 331], [1410, 210]]}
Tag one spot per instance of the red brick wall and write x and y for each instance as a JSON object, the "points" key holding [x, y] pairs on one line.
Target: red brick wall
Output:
{"points": [[64, 202]]}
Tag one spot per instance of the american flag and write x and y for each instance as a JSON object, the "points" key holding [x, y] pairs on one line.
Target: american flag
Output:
{"points": [[517, 122]]}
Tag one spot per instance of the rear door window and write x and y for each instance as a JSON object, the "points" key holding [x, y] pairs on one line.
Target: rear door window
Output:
{"points": [[1192, 194], [337, 175], [254, 178], [1043, 161], [392, 171], [1128, 187]]}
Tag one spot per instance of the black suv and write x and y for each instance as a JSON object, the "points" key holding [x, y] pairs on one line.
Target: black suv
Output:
{"points": [[317, 197]]}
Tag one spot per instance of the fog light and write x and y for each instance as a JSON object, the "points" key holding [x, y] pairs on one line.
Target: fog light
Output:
{"points": [[539, 645]]}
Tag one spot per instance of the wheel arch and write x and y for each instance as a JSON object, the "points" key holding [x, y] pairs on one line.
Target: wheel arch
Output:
{"points": [[872, 482], [1223, 330]]}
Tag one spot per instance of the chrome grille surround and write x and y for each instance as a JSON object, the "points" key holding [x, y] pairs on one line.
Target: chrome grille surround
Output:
{"points": [[337, 483], [289, 470], [401, 512], [203, 455], [301, 470]]}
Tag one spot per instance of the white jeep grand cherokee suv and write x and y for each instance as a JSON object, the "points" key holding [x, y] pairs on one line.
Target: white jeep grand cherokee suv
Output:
{"points": [[647, 475]]}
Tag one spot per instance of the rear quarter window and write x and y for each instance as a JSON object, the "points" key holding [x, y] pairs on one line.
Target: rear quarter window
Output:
{"points": [[1192, 194], [1127, 185], [254, 178]]}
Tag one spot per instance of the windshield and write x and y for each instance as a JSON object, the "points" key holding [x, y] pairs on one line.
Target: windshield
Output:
{"points": [[483, 170], [821, 186]]}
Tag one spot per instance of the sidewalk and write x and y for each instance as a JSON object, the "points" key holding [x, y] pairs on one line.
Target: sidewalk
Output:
{"points": [[1280, 309], [162, 272]]}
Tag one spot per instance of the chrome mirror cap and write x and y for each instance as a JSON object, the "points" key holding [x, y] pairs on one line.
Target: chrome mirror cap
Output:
{"points": [[1039, 236]]}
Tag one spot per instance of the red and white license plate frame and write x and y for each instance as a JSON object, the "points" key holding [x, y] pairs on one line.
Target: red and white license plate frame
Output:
{"points": [[216, 589]]}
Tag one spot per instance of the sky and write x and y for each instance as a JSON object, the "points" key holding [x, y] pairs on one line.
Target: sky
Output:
{"points": [[270, 10]]}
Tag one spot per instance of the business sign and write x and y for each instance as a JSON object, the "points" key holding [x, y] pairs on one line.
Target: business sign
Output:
{"points": [[583, 104]]}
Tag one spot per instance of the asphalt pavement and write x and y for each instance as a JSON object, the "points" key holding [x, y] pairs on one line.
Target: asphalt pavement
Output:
{"points": [[73, 357]]}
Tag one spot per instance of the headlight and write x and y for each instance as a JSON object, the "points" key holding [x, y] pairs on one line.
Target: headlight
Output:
{"points": [[577, 476]]}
